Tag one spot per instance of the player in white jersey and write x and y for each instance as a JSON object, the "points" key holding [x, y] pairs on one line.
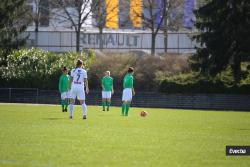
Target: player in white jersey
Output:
{"points": [[78, 81]]}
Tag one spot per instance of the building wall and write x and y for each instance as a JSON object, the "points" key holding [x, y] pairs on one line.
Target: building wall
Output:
{"points": [[61, 41]]}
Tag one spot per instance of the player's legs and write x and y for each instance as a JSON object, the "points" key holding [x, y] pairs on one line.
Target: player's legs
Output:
{"points": [[108, 103], [72, 102], [123, 107], [104, 104], [67, 100], [123, 102], [127, 107], [84, 108], [103, 101], [81, 98], [66, 104], [63, 100], [71, 108], [126, 100], [62, 104], [108, 99]]}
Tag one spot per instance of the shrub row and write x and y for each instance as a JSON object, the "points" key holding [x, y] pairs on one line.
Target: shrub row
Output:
{"points": [[146, 69], [203, 87], [194, 83], [34, 68]]}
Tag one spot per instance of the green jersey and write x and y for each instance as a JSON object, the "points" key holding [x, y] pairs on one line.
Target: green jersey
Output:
{"points": [[128, 81], [107, 83], [64, 83]]}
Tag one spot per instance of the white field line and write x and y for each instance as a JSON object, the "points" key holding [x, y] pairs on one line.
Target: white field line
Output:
{"points": [[29, 104]]}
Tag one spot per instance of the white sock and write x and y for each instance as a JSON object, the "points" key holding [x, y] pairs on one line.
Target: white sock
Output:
{"points": [[71, 107], [84, 109]]}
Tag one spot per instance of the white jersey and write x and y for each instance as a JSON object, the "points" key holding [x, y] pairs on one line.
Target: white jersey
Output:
{"points": [[78, 76]]}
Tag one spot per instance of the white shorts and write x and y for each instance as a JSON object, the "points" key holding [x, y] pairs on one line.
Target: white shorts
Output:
{"points": [[106, 94], [77, 92], [127, 94], [65, 95]]}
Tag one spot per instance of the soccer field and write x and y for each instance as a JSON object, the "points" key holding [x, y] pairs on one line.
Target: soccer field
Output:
{"points": [[42, 136]]}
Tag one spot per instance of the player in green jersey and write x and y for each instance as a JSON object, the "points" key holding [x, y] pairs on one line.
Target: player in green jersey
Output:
{"points": [[64, 88], [107, 90], [128, 91]]}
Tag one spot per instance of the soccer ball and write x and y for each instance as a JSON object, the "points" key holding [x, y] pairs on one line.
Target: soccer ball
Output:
{"points": [[143, 113]]}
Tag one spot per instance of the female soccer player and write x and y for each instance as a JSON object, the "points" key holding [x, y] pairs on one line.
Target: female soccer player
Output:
{"points": [[107, 90], [78, 82], [64, 88], [128, 91]]}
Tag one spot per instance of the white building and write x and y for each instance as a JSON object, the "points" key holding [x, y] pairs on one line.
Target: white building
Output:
{"points": [[56, 33], [53, 18]]}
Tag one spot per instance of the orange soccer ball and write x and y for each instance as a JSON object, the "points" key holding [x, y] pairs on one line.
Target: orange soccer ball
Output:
{"points": [[143, 113]]}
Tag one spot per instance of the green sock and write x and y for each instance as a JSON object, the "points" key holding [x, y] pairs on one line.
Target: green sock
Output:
{"points": [[108, 104], [103, 106], [127, 108], [62, 103], [66, 105], [123, 108]]}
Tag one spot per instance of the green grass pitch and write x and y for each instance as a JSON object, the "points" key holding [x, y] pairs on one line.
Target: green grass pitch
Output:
{"points": [[42, 136]]}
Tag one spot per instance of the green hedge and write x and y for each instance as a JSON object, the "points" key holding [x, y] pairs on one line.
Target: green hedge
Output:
{"points": [[203, 87], [194, 83], [146, 68], [34, 68]]}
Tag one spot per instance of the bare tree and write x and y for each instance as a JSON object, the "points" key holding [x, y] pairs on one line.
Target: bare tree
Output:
{"points": [[39, 15], [152, 18], [173, 19], [124, 14], [102, 17], [156, 17], [76, 12]]}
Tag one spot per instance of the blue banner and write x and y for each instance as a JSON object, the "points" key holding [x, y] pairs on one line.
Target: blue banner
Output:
{"points": [[188, 20], [158, 11]]}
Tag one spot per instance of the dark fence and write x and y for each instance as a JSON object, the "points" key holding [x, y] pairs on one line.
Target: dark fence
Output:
{"points": [[141, 99]]}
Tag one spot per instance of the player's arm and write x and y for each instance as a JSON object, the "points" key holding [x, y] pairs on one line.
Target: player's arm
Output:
{"points": [[112, 88], [86, 85], [59, 85], [133, 90], [70, 82], [71, 79], [103, 88]]}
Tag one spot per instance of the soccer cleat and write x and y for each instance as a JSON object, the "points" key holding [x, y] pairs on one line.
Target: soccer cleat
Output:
{"points": [[70, 117], [84, 117], [107, 109], [66, 110]]}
